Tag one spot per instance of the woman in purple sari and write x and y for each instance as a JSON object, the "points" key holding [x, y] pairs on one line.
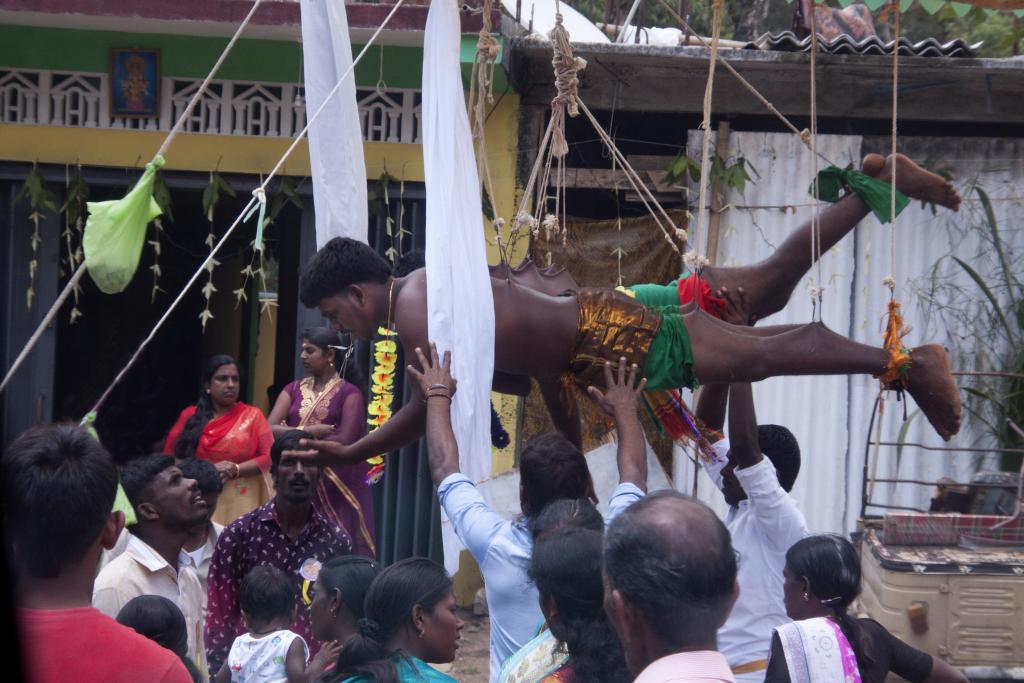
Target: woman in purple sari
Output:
{"points": [[331, 407]]}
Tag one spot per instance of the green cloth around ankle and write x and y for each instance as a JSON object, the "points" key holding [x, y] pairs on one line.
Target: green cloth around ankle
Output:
{"points": [[875, 193]]}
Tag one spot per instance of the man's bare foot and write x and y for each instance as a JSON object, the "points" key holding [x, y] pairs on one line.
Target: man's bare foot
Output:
{"points": [[931, 385], [872, 165], [915, 182]]}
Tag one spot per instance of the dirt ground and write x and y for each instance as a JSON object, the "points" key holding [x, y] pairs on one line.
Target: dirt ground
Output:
{"points": [[473, 657]]}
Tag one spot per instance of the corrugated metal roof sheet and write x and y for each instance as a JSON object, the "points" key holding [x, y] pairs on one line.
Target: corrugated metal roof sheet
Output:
{"points": [[787, 41]]}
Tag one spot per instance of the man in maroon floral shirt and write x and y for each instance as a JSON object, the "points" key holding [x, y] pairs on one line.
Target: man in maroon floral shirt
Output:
{"points": [[287, 533]]}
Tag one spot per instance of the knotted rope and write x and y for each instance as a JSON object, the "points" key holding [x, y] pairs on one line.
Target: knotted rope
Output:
{"points": [[481, 94], [699, 240], [554, 147], [816, 289], [898, 362]]}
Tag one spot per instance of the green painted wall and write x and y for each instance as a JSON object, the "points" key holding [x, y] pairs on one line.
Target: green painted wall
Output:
{"points": [[32, 47]]}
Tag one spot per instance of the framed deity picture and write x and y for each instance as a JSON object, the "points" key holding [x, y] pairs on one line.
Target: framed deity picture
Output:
{"points": [[134, 83]]}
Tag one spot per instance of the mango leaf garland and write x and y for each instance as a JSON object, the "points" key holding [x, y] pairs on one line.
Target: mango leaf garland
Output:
{"points": [[215, 190], [162, 196], [40, 199], [76, 196]]}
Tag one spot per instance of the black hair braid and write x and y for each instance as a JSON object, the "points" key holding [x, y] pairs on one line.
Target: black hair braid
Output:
{"points": [[595, 651], [188, 441]]}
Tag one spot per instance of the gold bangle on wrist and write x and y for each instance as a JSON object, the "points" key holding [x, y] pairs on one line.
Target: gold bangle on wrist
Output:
{"points": [[238, 470]]}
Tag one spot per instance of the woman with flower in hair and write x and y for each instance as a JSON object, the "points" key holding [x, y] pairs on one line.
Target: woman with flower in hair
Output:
{"points": [[825, 642], [329, 404]]}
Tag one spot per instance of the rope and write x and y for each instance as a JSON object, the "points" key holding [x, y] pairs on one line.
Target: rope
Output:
{"points": [[890, 281], [804, 135], [705, 155], [253, 201], [47, 319], [899, 359], [178, 125], [816, 290], [481, 93], [567, 100]]}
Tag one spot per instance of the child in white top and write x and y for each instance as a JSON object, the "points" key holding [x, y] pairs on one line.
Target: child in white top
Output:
{"points": [[270, 652]]}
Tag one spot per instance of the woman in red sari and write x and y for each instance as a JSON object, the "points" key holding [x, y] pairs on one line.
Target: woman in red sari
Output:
{"points": [[235, 437], [329, 404]]}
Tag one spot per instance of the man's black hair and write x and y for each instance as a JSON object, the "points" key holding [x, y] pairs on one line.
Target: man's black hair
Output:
{"points": [[578, 513], [551, 467], [675, 563], [204, 473], [340, 263], [414, 259], [781, 447], [289, 441], [266, 593], [58, 492], [138, 475]]}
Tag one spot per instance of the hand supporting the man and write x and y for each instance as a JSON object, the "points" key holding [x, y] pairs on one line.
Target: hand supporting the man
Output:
{"points": [[619, 400], [438, 387]]}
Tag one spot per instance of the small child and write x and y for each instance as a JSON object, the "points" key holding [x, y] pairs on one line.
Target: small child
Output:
{"points": [[160, 620], [270, 652]]}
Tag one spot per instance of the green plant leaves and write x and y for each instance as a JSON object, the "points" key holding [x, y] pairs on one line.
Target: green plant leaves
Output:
{"points": [[996, 309], [40, 197], [217, 187]]}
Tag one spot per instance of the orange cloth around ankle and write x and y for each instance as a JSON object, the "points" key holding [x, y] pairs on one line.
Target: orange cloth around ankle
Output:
{"points": [[892, 341]]}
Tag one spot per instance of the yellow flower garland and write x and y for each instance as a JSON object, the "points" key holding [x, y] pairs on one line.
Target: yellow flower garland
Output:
{"points": [[382, 387]]}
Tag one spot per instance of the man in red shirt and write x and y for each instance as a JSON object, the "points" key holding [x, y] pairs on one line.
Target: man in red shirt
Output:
{"points": [[58, 492]]}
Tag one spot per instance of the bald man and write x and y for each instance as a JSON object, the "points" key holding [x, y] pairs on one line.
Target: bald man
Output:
{"points": [[670, 582]]}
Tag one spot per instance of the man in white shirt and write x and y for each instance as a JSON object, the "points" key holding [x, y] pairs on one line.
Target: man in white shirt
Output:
{"points": [[166, 506], [202, 537], [755, 469], [551, 468]]}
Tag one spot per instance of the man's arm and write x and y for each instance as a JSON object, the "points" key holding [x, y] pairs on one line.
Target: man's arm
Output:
{"points": [[620, 401], [713, 397], [475, 523], [405, 426], [746, 450], [711, 406], [223, 615], [778, 516], [561, 405], [438, 385], [513, 385]]}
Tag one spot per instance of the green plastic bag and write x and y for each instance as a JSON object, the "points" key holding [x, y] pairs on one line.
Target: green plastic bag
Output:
{"points": [[121, 502], [116, 230]]}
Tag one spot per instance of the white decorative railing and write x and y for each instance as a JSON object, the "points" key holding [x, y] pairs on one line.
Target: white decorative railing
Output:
{"points": [[245, 108]]}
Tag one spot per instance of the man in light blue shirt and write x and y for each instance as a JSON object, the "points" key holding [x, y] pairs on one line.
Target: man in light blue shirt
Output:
{"points": [[550, 468]]}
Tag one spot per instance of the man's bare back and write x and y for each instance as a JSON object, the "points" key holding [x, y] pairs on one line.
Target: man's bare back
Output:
{"points": [[533, 335]]}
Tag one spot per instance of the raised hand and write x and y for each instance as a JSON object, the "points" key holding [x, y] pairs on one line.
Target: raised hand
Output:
{"points": [[435, 379], [621, 390], [735, 310]]}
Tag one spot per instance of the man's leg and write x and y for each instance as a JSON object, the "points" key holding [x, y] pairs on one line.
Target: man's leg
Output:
{"points": [[815, 350], [770, 283]]}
